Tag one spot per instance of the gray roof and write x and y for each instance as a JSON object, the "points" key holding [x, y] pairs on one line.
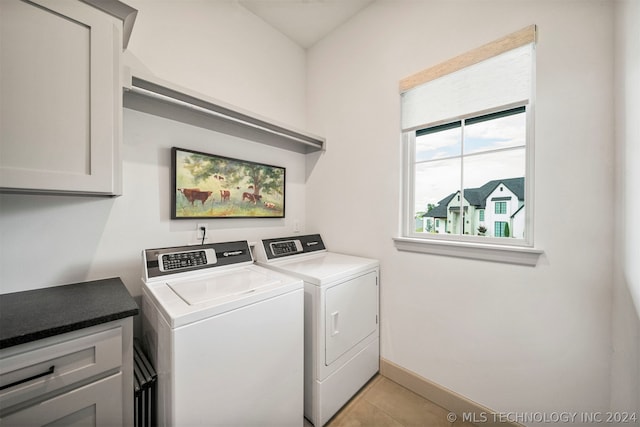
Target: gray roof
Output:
{"points": [[518, 210], [440, 211], [516, 185], [478, 196]]}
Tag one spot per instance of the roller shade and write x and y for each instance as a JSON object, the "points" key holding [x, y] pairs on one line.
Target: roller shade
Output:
{"points": [[500, 80]]}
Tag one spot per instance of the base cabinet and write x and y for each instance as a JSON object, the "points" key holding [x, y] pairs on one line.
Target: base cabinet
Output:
{"points": [[82, 378], [96, 404], [61, 103]]}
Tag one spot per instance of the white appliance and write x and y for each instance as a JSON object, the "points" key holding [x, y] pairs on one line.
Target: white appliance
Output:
{"points": [[340, 319], [225, 336]]}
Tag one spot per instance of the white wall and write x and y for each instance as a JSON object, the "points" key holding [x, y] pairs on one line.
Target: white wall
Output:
{"points": [[216, 48], [625, 372], [510, 337], [221, 49]]}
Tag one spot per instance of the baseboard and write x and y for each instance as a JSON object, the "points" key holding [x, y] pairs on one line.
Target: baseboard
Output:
{"points": [[463, 408]]}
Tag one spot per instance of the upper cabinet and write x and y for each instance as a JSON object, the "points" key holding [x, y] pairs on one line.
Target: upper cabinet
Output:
{"points": [[60, 98]]}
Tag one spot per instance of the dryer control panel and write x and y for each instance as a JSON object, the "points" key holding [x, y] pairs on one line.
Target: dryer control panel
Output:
{"points": [[285, 247], [271, 249]]}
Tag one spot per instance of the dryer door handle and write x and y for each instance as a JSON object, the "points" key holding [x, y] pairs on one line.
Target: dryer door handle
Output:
{"points": [[334, 323]]}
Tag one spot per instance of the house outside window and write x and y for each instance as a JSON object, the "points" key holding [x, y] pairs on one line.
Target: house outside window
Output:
{"points": [[479, 221]]}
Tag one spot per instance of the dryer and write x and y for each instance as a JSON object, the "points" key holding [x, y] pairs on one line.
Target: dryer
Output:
{"points": [[225, 336], [341, 346]]}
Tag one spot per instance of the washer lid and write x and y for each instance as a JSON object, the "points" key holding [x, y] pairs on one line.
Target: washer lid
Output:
{"points": [[221, 285], [184, 300]]}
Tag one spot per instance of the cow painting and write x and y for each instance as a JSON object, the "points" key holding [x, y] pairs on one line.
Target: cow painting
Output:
{"points": [[246, 189]]}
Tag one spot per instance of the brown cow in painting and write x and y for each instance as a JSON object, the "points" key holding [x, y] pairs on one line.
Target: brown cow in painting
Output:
{"points": [[251, 197], [224, 195], [193, 194]]}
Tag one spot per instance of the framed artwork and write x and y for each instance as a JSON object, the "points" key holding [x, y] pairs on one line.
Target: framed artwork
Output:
{"points": [[212, 186]]}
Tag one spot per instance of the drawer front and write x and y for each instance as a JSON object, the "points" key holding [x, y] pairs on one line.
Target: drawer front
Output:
{"points": [[96, 404], [41, 372]]}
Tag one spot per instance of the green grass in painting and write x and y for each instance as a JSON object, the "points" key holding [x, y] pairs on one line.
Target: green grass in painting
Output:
{"points": [[225, 209]]}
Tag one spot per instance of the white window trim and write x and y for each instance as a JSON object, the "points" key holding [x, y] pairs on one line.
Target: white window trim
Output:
{"points": [[480, 251], [510, 251], [504, 250]]}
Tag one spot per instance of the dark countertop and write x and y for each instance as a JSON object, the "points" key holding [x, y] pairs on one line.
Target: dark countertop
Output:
{"points": [[32, 315]]}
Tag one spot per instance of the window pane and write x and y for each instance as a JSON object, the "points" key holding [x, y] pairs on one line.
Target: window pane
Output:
{"points": [[491, 172], [482, 168], [437, 185], [503, 132], [438, 145], [495, 177]]}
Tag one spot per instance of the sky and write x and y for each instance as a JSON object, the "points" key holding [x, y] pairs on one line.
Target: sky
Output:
{"points": [[493, 149]]}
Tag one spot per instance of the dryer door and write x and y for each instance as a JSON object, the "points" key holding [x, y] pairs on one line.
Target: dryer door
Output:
{"points": [[351, 314]]}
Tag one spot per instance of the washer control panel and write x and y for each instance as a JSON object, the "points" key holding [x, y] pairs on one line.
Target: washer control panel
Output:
{"points": [[179, 260]]}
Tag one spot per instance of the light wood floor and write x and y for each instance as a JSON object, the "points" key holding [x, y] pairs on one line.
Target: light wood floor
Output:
{"points": [[384, 403]]}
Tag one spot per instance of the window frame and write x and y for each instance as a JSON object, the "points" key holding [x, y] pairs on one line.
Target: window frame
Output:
{"points": [[504, 250], [499, 249], [409, 144]]}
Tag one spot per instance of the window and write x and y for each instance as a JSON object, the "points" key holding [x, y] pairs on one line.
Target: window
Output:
{"points": [[501, 207], [478, 157], [501, 229], [467, 141]]}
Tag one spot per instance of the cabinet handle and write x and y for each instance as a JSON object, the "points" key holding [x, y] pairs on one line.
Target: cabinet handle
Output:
{"points": [[24, 380]]}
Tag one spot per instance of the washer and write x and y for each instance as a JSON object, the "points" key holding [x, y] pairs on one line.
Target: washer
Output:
{"points": [[340, 319], [225, 336]]}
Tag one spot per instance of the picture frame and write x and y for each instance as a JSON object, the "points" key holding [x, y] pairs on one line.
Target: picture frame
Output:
{"points": [[212, 186]]}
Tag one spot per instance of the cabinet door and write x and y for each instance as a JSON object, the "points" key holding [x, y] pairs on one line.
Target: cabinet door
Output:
{"points": [[60, 97], [96, 404], [351, 314]]}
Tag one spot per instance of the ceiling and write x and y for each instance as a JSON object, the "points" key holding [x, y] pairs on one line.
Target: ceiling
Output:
{"points": [[305, 21]]}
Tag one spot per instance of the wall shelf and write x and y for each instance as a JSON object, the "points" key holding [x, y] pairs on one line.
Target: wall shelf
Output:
{"points": [[151, 95]]}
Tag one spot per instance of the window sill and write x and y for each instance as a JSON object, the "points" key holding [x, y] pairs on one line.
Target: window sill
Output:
{"points": [[480, 251]]}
